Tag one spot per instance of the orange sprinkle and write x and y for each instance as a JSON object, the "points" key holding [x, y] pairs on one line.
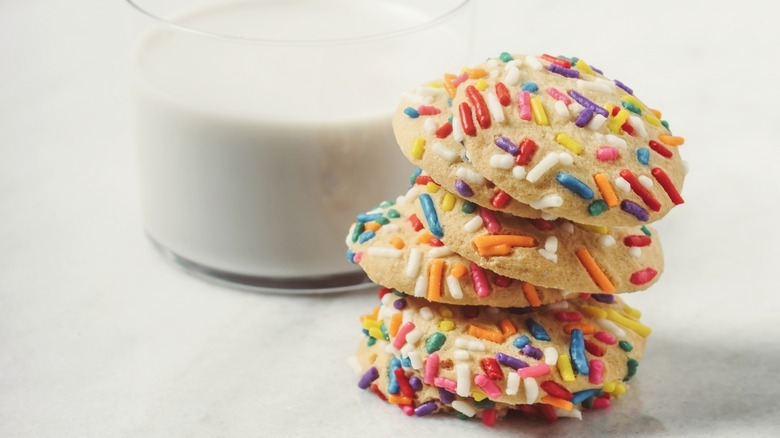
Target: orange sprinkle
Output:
{"points": [[459, 270], [586, 328], [397, 242], [434, 280], [507, 328], [655, 112], [425, 238], [504, 239], [498, 250], [395, 324], [595, 272], [532, 294], [477, 73], [372, 226], [398, 399], [671, 140], [489, 335], [449, 87], [602, 182], [557, 402]]}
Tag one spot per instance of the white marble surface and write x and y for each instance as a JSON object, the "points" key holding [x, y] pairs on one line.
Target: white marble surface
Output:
{"points": [[100, 336]]}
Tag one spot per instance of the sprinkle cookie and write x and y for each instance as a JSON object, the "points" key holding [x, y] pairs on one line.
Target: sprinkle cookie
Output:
{"points": [[558, 135], [395, 250], [481, 362]]}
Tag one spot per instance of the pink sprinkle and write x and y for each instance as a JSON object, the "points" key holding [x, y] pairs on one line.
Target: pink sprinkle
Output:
{"points": [[431, 368], [357, 257], [427, 110], [487, 385], [400, 337], [408, 409], [557, 95], [448, 384], [601, 403], [489, 417], [490, 222], [605, 338], [534, 371], [460, 78], [524, 105], [478, 277], [607, 153], [643, 276], [596, 375]]}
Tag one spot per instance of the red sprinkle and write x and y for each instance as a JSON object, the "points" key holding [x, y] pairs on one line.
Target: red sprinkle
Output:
{"points": [[489, 417], [637, 240], [492, 368], [415, 222], [436, 242], [667, 185], [403, 382], [601, 403], [502, 281], [593, 348], [629, 129], [490, 222], [427, 110], [556, 390], [464, 111], [444, 130], [384, 291], [527, 149], [605, 337], [568, 316], [548, 413], [422, 180], [503, 94], [660, 149], [643, 276], [375, 389], [541, 224], [558, 61], [483, 115], [615, 111], [500, 199], [640, 190]]}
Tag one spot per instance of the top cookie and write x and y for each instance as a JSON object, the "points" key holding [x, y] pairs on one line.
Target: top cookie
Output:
{"points": [[555, 133]]}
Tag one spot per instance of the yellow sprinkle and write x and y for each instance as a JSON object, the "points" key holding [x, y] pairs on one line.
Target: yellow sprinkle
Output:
{"points": [[601, 229], [375, 332], [478, 395], [446, 325], [584, 67], [397, 242], [448, 202], [368, 324], [609, 387], [445, 312], [594, 312], [620, 389], [609, 107], [418, 147], [435, 84], [481, 85], [569, 143], [671, 140], [632, 312], [640, 329], [633, 100], [564, 367], [617, 122], [540, 117], [431, 187], [651, 119]]}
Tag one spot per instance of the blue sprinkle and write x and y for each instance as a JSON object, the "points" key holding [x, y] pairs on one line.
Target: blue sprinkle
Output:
{"points": [[350, 256], [537, 330], [580, 396], [365, 332], [406, 362], [577, 352], [414, 176], [643, 155], [366, 236], [392, 384], [575, 185], [530, 87], [521, 341], [368, 217], [430, 216], [411, 112]]}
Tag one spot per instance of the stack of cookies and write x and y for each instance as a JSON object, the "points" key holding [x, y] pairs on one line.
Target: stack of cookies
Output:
{"points": [[538, 180]]}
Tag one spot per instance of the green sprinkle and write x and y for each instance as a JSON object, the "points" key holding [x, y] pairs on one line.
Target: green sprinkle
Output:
{"points": [[386, 204], [398, 293], [435, 342], [631, 107], [587, 403], [646, 230], [485, 403], [597, 207], [625, 346], [414, 176], [632, 364], [666, 125], [505, 56], [382, 220], [469, 207], [393, 213], [461, 416], [384, 332], [357, 231], [449, 119], [371, 341]]}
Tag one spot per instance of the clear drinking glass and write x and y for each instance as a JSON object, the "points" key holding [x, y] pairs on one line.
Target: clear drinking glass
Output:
{"points": [[264, 127]]}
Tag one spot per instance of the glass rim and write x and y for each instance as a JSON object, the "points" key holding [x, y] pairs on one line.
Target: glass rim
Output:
{"points": [[308, 42]]}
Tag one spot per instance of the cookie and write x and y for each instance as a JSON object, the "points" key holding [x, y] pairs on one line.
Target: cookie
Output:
{"points": [[395, 250], [479, 361], [557, 253], [558, 135], [422, 128]]}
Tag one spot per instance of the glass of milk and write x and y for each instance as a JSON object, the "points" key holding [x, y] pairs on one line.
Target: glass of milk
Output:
{"points": [[264, 127]]}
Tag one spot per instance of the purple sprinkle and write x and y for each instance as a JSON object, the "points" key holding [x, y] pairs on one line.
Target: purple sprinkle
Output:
{"points": [[603, 298], [399, 304], [597, 70], [587, 103], [507, 145], [625, 87], [370, 375], [511, 362], [463, 189], [634, 209], [532, 351], [445, 396], [425, 408], [416, 383], [563, 71], [584, 117]]}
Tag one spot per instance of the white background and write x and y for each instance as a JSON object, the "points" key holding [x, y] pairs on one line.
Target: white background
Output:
{"points": [[100, 336]]}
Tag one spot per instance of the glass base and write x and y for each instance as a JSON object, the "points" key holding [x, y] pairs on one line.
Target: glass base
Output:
{"points": [[310, 285]]}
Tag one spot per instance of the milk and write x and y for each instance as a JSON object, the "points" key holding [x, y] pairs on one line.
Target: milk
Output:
{"points": [[255, 159]]}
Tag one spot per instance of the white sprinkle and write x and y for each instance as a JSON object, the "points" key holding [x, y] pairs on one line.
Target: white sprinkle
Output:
{"points": [[512, 383], [568, 227], [575, 108], [614, 140], [565, 158], [573, 413], [463, 373], [444, 152], [547, 201], [550, 356], [560, 305], [415, 359], [622, 184], [533, 62], [457, 130], [512, 76], [645, 181], [493, 74], [593, 86], [473, 224], [561, 109], [461, 343], [413, 265], [412, 98], [408, 315], [439, 251], [566, 293], [475, 345], [684, 167], [551, 244], [421, 285], [607, 241], [459, 354], [494, 106], [596, 122], [413, 336], [387, 300], [518, 172], [547, 163], [454, 285], [531, 390], [390, 349], [492, 63], [406, 349], [513, 63], [469, 175], [387, 252], [502, 161], [429, 126], [388, 229], [611, 327], [551, 256], [605, 81], [638, 125], [635, 251], [463, 407]]}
